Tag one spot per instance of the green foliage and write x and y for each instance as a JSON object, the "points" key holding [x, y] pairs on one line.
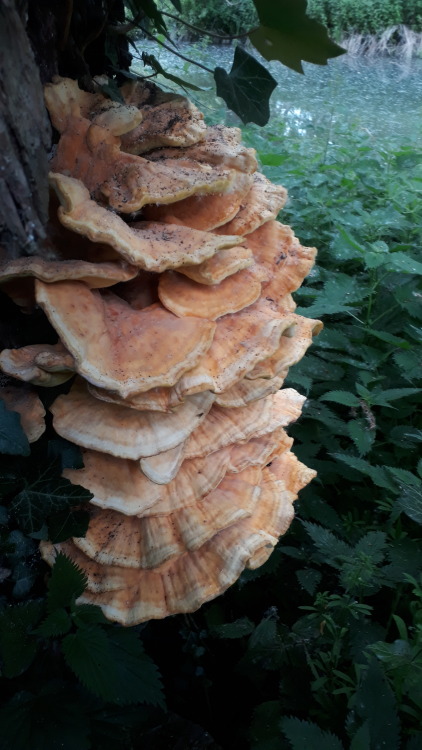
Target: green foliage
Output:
{"points": [[247, 88], [366, 16]]}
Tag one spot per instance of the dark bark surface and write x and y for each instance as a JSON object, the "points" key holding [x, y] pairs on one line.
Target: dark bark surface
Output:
{"points": [[25, 137]]}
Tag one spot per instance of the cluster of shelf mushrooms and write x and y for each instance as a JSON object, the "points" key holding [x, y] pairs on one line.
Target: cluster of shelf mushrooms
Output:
{"points": [[168, 281]]}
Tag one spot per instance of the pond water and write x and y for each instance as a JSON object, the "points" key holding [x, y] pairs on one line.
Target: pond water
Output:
{"points": [[380, 96]]}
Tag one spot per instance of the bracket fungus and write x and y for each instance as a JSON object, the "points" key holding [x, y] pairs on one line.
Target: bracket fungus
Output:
{"points": [[178, 401]]}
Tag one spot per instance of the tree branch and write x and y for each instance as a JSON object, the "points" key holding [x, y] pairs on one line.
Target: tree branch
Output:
{"points": [[179, 54]]}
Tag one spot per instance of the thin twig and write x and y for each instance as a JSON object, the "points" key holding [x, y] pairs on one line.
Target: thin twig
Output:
{"points": [[179, 54], [226, 37]]}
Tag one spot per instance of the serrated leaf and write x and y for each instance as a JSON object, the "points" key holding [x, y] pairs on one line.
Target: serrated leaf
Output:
{"points": [[66, 583], [56, 623], [372, 544], [247, 88], [306, 734], [113, 667], [392, 394], [409, 364], [404, 477], [341, 397], [287, 34], [376, 703], [309, 579], [378, 474], [87, 614], [153, 63], [404, 263], [17, 648], [237, 629], [361, 434], [362, 739], [13, 440], [333, 548]]}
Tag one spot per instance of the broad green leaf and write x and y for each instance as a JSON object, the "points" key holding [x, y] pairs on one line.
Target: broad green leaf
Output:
{"points": [[247, 88], [409, 363], [153, 63], [306, 734], [404, 477], [237, 629], [66, 524], [66, 583], [404, 263], [13, 440], [287, 34], [87, 614], [17, 647], [362, 435], [373, 545], [375, 702], [113, 667], [341, 397]]}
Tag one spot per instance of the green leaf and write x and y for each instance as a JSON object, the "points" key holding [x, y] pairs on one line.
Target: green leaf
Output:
{"points": [[66, 524], [24, 576], [309, 579], [87, 614], [404, 263], [67, 455], [112, 90], [48, 494], [331, 547], [378, 474], [115, 668], [373, 545], [392, 394], [237, 629], [66, 583], [341, 397], [13, 440], [56, 623], [17, 648], [376, 703], [361, 434], [158, 68], [362, 739], [410, 501], [306, 734], [287, 34], [409, 364], [264, 731], [247, 88]]}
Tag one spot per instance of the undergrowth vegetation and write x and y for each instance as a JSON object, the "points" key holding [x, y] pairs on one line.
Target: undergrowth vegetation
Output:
{"points": [[321, 648]]}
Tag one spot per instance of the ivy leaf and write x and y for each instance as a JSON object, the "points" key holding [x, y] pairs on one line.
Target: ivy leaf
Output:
{"points": [[158, 68], [17, 648], [247, 88], [66, 583], [306, 734], [13, 440], [48, 494], [287, 34], [67, 523], [362, 436]]}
